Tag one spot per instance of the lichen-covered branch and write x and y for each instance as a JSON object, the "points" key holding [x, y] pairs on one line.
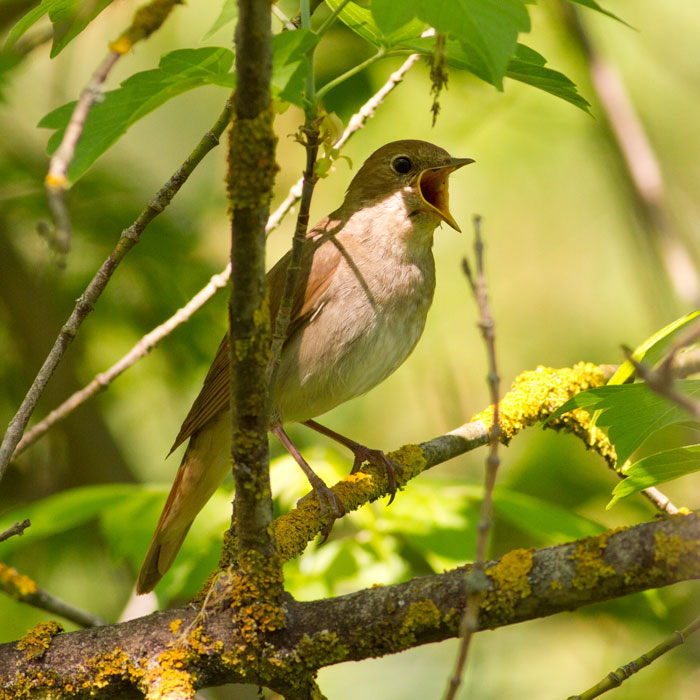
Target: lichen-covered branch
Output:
{"points": [[116, 660], [87, 300], [250, 179], [533, 396]]}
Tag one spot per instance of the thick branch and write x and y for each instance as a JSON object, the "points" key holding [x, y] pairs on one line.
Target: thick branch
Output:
{"points": [[250, 179], [113, 661]]}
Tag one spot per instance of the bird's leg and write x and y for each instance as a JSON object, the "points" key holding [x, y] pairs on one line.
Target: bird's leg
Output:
{"points": [[363, 454], [328, 500]]}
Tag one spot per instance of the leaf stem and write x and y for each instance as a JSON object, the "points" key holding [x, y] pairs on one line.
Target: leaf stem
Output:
{"points": [[381, 53], [325, 26]]}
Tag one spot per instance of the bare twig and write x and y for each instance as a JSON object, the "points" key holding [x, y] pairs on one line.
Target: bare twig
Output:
{"points": [[17, 529], [56, 181], [309, 179], [661, 378], [146, 20], [659, 499], [142, 347], [619, 676], [24, 589], [217, 282], [128, 239], [477, 577], [661, 385]]}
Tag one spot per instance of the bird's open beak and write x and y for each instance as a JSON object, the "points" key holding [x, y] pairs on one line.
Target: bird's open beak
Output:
{"points": [[433, 188]]}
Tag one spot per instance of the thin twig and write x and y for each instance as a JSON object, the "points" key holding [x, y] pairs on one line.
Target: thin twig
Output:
{"points": [[128, 239], [661, 378], [620, 675], [663, 386], [217, 282], [146, 20], [140, 349], [477, 577], [659, 499], [56, 180], [17, 529], [24, 590], [309, 178]]}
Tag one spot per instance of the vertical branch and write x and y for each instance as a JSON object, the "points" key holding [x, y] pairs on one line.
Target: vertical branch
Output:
{"points": [[309, 180], [477, 577], [250, 178]]}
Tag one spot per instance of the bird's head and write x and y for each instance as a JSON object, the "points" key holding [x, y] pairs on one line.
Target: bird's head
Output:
{"points": [[418, 169]]}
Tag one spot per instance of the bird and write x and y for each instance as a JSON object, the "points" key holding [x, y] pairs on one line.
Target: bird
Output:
{"points": [[366, 283]]}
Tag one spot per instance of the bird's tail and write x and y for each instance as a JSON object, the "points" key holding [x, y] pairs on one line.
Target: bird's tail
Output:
{"points": [[204, 465]]}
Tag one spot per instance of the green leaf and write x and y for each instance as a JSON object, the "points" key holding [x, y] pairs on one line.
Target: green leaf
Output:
{"points": [[138, 95], [178, 72], [63, 511], [657, 469], [528, 67], [631, 412], [69, 18], [362, 22], [391, 15], [290, 65], [653, 348], [487, 30], [229, 12]]}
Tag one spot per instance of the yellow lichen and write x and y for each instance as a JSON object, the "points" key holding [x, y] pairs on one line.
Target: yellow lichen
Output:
{"points": [[509, 575], [536, 394], [38, 639], [556, 586], [590, 566], [175, 626], [15, 584], [320, 650], [420, 616], [252, 167], [674, 551], [169, 677], [103, 668]]}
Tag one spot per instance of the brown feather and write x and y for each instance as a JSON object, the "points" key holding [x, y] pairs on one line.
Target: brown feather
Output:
{"points": [[319, 259]]}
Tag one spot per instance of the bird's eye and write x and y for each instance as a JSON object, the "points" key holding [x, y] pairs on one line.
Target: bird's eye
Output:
{"points": [[401, 164]]}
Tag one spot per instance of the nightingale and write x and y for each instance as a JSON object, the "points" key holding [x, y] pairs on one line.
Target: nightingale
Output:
{"points": [[366, 284]]}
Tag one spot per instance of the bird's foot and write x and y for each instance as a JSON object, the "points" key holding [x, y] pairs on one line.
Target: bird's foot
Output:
{"points": [[377, 459], [329, 504]]}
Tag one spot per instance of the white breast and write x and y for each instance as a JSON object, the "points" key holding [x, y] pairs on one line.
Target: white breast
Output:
{"points": [[365, 326]]}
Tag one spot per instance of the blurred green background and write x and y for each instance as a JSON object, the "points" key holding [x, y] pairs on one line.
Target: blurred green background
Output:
{"points": [[573, 272]]}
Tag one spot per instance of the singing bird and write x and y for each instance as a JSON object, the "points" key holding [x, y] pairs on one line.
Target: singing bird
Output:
{"points": [[366, 284]]}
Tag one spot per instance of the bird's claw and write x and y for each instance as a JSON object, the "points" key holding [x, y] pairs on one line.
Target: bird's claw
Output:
{"points": [[329, 504], [378, 459]]}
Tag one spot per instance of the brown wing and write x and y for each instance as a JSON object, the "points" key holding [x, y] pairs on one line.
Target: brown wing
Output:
{"points": [[319, 259]]}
